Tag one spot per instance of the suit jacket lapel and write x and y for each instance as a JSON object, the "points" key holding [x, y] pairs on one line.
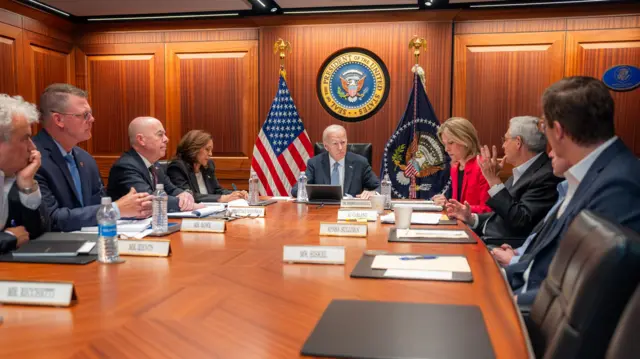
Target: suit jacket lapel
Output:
{"points": [[207, 176], [348, 173], [326, 165], [57, 158], [145, 170], [535, 166], [193, 180]]}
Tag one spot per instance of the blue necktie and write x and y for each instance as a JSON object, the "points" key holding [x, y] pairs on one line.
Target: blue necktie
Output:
{"points": [[335, 174], [71, 162]]}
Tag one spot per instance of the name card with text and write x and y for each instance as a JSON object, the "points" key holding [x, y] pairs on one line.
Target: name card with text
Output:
{"points": [[248, 211], [355, 203], [203, 225], [354, 215], [343, 229], [56, 294], [313, 254], [149, 248]]}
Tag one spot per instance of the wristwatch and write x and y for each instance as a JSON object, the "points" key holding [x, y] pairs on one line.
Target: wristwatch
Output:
{"points": [[29, 190]]}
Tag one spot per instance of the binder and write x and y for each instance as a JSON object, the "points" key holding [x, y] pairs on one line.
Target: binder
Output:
{"points": [[363, 270]]}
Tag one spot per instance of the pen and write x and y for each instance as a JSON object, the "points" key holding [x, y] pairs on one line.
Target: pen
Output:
{"points": [[418, 257], [233, 185]]}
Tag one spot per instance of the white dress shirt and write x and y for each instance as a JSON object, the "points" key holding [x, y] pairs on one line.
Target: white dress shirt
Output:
{"points": [[201, 185], [31, 201], [340, 169]]}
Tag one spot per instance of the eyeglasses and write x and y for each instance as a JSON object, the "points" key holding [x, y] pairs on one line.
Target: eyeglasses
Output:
{"points": [[542, 125], [85, 115], [505, 138]]}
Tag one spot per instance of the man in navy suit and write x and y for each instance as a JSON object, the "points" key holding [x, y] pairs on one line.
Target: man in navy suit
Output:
{"points": [[337, 166], [69, 178], [138, 168], [603, 177]]}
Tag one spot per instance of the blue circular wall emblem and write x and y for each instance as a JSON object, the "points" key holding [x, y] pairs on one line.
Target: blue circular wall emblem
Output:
{"points": [[353, 84], [622, 78]]}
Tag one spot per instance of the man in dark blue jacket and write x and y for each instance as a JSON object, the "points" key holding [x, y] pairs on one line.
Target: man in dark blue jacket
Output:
{"points": [[69, 178], [603, 177]]}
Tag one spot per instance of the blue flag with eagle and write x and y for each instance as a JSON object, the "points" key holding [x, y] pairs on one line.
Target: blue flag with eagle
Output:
{"points": [[414, 158]]}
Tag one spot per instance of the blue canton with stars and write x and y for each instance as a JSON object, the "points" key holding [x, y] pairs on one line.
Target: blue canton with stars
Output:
{"points": [[283, 125]]}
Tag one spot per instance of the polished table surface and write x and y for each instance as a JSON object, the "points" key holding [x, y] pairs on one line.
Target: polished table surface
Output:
{"points": [[230, 296]]}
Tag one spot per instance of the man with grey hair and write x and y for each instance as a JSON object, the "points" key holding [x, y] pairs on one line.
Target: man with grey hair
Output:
{"points": [[138, 167], [69, 177], [22, 215], [524, 200], [337, 166]]}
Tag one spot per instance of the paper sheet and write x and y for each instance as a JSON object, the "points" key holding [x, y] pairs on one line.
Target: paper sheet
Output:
{"points": [[444, 263], [430, 233], [418, 274], [124, 225], [282, 198], [199, 213], [238, 203], [215, 204], [87, 247], [416, 218]]}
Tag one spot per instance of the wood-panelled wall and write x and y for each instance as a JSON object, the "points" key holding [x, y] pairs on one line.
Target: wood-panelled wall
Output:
{"points": [[223, 80], [502, 67]]}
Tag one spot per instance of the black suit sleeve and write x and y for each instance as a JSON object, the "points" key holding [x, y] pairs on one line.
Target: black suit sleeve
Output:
{"points": [[180, 178], [7, 242], [36, 222], [123, 176], [169, 187], [482, 218], [533, 205], [369, 179]]}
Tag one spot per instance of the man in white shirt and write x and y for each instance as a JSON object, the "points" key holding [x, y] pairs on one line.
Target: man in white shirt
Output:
{"points": [[22, 215], [524, 200]]}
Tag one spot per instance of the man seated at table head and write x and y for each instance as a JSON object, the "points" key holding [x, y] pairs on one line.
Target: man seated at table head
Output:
{"points": [[603, 177], [337, 166], [505, 254], [69, 178], [526, 197], [138, 167], [22, 216]]}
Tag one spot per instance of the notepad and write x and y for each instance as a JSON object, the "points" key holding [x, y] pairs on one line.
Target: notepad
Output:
{"points": [[418, 274], [238, 203], [442, 263], [199, 213], [124, 226], [416, 218], [430, 233]]}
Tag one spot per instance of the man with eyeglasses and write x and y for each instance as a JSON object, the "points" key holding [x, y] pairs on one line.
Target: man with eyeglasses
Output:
{"points": [[69, 178], [526, 197]]}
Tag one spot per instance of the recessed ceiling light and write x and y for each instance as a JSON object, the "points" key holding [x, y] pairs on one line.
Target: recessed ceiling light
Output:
{"points": [[49, 7], [428, 3], [274, 9]]}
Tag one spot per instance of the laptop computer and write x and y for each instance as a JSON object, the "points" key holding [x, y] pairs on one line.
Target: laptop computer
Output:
{"points": [[324, 194]]}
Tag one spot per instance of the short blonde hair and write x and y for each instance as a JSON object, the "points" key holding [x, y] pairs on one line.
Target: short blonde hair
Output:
{"points": [[462, 132]]}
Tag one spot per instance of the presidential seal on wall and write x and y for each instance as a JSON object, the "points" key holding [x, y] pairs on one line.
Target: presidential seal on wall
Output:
{"points": [[353, 84]]}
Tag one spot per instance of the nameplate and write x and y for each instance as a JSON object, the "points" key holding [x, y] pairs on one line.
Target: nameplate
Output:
{"points": [[313, 254], [355, 203], [56, 294], [203, 225], [149, 248], [355, 215], [247, 211], [343, 229]]}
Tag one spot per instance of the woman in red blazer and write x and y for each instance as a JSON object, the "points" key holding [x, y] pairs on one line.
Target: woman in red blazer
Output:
{"points": [[460, 140]]}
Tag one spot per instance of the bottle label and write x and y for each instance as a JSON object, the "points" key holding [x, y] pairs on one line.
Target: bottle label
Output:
{"points": [[107, 230]]}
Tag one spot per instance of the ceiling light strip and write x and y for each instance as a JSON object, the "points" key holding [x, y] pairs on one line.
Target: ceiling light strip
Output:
{"points": [[347, 10], [539, 3], [49, 8], [261, 3], [161, 17]]}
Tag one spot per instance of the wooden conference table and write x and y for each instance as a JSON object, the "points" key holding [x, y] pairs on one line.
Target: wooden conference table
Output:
{"points": [[230, 296]]}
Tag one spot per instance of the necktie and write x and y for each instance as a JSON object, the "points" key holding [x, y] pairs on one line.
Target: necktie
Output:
{"points": [[154, 176], [75, 174], [335, 174]]}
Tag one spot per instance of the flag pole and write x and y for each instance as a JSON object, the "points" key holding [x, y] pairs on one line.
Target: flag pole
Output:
{"points": [[415, 44], [281, 47]]}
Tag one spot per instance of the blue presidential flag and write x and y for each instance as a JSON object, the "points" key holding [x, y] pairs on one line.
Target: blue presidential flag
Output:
{"points": [[414, 158]]}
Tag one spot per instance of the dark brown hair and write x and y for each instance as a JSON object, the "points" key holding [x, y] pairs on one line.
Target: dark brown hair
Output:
{"points": [[190, 144], [584, 108]]}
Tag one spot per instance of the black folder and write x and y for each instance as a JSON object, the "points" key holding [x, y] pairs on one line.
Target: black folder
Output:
{"points": [[58, 237], [385, 330], [393, 237], [363, 270]]}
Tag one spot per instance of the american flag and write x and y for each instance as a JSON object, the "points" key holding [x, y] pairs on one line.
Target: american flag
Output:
{"points": [[282, 147]]}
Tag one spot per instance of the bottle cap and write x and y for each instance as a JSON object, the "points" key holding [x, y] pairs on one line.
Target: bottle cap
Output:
{"points": [[160, 186], [105, 200]]}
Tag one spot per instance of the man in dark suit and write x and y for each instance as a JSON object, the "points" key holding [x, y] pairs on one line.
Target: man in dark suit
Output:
{"points": [[603, 177], [138, 167], [22, 216], [523, 201], [337, 166], [69, 177]]}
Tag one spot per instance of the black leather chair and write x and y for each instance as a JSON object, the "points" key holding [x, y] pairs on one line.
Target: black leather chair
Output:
{"points": [[163, 164], [625, 343], [362, 149], [591, 278]]}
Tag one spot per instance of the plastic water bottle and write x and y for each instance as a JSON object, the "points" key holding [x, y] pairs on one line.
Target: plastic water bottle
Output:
{"points": [[160, 222], [302, 188], [253, 190], [107, 232], [385, 188]]}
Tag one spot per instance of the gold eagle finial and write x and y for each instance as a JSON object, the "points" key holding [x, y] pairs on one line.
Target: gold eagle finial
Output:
{"points": [[281, 47], [416, 43]]}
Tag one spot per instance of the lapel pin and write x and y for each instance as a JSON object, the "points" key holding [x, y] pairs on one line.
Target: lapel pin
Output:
{"points": [[81, 164]]}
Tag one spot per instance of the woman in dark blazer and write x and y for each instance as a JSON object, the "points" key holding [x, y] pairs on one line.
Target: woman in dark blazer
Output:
{"points": [[460, 140], [192, 170]]}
